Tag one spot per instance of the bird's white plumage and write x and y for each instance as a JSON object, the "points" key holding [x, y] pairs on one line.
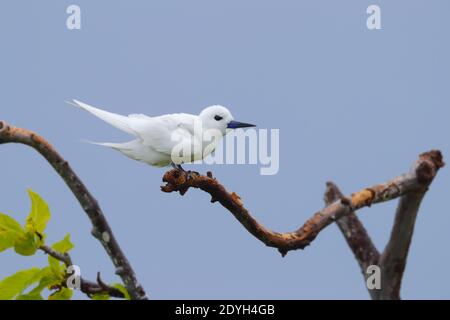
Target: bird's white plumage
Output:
{"points": [[156, 137]]}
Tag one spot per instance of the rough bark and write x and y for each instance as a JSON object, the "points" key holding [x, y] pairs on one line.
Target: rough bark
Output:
{"points": [[356, 236]]}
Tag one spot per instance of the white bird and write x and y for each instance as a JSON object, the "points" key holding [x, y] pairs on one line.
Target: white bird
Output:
{"points": [[158, 137]]}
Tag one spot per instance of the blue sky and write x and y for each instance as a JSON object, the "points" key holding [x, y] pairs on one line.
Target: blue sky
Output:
{"points": [[353, 106]]}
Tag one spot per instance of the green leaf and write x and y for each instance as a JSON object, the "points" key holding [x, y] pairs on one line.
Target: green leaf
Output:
{"points": [[100, 296], [58, 268], [62, 294], [14, 285], [122, 289], [8, 223], [30, 296], [47, 280], [39, 214], [10, 231], [63, 246], [27, 244], [29, 241]]}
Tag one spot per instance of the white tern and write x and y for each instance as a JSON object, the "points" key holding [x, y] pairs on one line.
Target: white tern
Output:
{"points": [[158, 137]]}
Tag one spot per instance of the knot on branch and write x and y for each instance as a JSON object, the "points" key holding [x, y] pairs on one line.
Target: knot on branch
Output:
{"points": [[429, 164], [4, 128], [179, 180], [435, 156]]}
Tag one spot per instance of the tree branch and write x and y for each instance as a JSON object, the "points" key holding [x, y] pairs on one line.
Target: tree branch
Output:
{"points": [[417, 179], [355, 234], [63, 257], [394, 257], [87, 287], [101, 229], [410, 187]]}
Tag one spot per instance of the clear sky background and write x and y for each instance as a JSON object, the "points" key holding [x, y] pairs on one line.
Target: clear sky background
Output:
{"points": [[353, 106]]}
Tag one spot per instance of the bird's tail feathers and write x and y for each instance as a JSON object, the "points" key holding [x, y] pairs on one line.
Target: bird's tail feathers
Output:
{"points": [[135, 150], [116, 120], [113, 145]]}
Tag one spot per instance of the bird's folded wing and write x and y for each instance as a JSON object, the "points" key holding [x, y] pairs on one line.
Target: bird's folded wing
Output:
{"points": [[165, 132]]}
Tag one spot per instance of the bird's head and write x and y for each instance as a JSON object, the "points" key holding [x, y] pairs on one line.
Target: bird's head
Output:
{"points": [[220, 118]]}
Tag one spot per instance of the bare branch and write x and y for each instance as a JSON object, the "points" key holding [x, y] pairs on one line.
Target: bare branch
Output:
{"points": [[101, 229], [355, 234], [417, 179], [394, 257]]}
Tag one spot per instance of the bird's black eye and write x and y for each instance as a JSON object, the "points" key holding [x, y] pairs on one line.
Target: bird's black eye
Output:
{"points": [[218, 118]]}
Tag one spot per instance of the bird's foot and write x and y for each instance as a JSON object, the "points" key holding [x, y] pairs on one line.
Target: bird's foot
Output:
{"points": [[177, 166], [188, 173]]}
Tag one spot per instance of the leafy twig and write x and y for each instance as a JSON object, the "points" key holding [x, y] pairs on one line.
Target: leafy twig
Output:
{"points": [[101, 229], [89, 288], [63, 257]]}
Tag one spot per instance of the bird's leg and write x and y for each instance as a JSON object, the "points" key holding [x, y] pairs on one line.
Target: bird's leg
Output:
{"points": [[177, 166], [188, 173]]}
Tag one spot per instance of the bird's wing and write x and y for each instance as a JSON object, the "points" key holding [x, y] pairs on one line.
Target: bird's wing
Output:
{"points": [[163, 133]]}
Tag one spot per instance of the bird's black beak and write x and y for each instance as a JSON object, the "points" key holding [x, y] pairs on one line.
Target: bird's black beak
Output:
{"points": [[237, 124]]}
